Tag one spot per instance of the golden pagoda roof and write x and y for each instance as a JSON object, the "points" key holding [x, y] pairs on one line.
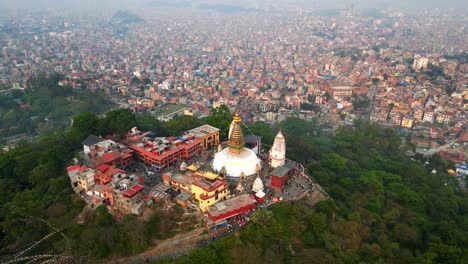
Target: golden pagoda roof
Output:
{"points": [[193, 167], [209, 175], [236, 141]]}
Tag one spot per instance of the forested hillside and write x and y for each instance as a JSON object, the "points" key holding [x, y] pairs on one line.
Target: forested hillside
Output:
{"points": [[45, 106], [385, 207]]}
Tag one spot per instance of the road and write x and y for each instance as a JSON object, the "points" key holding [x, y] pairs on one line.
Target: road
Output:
{"points": [[371, 95], [433, 151]]}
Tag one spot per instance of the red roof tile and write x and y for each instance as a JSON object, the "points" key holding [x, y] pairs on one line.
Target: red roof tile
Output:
{"points": [[103, 167], [73, 168], [132, 191], [110, 156]]}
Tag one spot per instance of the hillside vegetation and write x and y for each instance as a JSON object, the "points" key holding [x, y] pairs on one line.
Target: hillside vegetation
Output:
{"points": [[385, 208]]}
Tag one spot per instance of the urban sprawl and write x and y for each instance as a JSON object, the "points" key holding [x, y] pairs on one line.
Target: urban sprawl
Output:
{"points": [[397, 70]]}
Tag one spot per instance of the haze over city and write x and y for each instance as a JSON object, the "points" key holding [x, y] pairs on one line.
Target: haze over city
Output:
{"points": [[248, 131], [453, 5]]}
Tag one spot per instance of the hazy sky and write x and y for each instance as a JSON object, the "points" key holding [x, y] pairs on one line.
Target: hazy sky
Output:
{"points": [[461, 5]]}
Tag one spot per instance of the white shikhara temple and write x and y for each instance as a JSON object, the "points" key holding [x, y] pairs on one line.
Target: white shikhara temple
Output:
{"points": [[278, 151], [236, 161]]}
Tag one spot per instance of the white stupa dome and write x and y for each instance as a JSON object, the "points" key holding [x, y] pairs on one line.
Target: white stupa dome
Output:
{"points": [[234, 164], [236, 160]]}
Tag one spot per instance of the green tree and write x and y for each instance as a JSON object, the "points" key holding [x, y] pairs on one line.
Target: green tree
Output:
{"points": [[103, 217], [85, 125], [117, 121], [221, 118]]}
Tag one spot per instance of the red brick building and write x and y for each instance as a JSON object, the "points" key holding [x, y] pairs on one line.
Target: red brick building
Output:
{"points": [[104, 173], [280, 176], [224, 210], [166, 152]]}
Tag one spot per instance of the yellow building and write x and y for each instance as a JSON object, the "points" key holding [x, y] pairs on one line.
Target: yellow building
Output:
{"points": [[179, 181], [407, 122], [443, 118], [208, 135], [188, 112], [86, 179], [210, 193]]}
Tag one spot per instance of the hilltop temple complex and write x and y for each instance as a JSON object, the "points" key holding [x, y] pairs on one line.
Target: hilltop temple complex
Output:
{"points": [[142, 169]]}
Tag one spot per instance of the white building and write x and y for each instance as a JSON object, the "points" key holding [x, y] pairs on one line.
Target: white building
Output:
{"points": [[429, 117], [420, 63], [278, 151]]}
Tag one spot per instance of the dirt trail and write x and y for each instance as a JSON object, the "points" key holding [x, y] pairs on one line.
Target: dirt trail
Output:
{"points": [[172, 247]]}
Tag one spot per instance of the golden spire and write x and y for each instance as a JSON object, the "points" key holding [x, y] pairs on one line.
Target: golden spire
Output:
{"points": [[236, 141]]}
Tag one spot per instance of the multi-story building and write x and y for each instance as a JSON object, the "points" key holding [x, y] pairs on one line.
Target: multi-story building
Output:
{"points": [[271, 116], [420, 63], [86, 179], [81, 178], [443, 118], [396, 119], [418, 114], [207, 193], [103, 194], [341, 91], [263, 106], [128, 196], [205, 187], [407, 122], [163, 152], [110, 186], [179, 181], [208, 136], [97, 151], [104, 173], [428, 117]]}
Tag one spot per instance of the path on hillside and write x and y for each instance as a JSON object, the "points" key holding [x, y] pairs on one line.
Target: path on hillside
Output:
{"points": [[436, 150], [182, 244], [176, 246]]}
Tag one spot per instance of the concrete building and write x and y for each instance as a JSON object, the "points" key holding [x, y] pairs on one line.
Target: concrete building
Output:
{"points": [[407, 122], [208, 136], [418, 114], [420, 63], [207, 193], [341, 92], [428, 117], [163, 152]]}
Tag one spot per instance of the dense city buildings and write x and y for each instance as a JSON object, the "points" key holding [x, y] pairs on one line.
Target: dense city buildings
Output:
{"points": [[407, 72], [397, 70], [337, 135]]}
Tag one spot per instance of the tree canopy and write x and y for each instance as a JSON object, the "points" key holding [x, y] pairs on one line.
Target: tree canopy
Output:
{"points": [[384, 208]]}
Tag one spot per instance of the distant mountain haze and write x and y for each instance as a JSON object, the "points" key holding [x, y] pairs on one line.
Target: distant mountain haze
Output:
{"points": [[101, 5]]}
